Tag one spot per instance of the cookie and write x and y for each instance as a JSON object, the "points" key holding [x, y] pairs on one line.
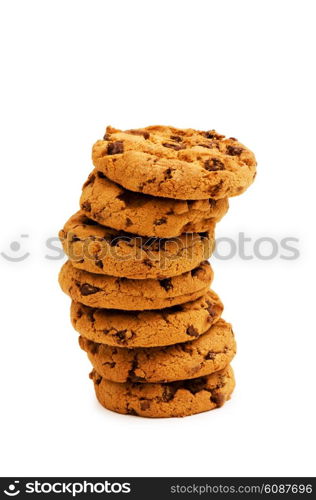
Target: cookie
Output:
{"points": [[103, 250], [162, 327], [98, 290], [208, 353], [114, 206], [175, 399], [175, 163]]}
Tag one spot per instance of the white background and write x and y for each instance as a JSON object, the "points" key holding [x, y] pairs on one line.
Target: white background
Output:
{"points": [[68, 68]]}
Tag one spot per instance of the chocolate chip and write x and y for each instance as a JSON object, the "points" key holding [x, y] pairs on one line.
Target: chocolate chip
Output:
{"points": [[159, 222], [168, 173], [211, 134], [192, 331], [101, 175], [128, 222], [234, 150], [166, 284], [121, 335], [99, 263], [210, 355], [214, 164], [106, 137], [87, 289], [176, 147], [168, 393], [74, 238], [176, 138], [210, 308], [115, 148], [215, 189], [98, 380], [144, 405], [219, 399], [131, 411], [148, 263], [131, 373], [212, 203], [109, 364], [144, 133], [86, 205], [150, 181]]}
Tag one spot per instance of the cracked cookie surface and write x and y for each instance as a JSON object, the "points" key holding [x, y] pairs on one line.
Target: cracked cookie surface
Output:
{"points": [[210, 352], [161, 327], [175, 163], [110, 292], [175, 399], [114, 206], [103, 250]]}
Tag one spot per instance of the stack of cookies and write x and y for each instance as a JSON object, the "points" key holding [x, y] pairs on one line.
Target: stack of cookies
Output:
{"points": [[138, 273]]}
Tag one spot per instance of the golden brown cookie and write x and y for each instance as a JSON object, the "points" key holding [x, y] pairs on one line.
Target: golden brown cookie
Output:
{"points": [[100, 290], [161, 327], [114, 206], [208, 353], [103, 250], [175, 163], [175, 399]]}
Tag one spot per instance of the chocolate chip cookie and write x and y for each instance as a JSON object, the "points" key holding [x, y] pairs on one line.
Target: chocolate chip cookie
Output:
{"points": [[103, 250], [175, 163], [147, 328], [175, 399], [114, 206], [109, 292], [208, 353]]}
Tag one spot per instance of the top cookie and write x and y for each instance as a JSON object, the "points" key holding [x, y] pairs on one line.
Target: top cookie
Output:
{"points": [[184, 164]]}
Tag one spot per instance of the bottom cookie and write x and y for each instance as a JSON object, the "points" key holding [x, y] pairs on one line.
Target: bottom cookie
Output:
{"points": [[175, 399]]}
